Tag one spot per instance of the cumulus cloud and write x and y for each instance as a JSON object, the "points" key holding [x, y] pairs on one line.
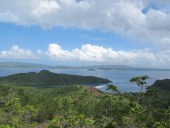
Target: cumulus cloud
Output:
{"points": [[121, 16], [94, 53], [15, 52]]}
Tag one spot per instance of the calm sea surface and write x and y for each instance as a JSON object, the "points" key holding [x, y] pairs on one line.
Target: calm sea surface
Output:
{"points": [[119, 77]]}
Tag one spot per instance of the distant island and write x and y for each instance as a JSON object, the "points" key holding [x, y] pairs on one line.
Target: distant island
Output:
{"points": [[47, 78], [90, 68], [22, 65]]}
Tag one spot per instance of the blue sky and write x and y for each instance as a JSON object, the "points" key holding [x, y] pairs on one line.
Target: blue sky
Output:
{"points": [[35, 37], [85, 32]]}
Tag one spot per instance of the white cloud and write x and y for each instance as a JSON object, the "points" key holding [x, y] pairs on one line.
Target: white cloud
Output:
{"points": [[15, 52], [94, 53], [44, 8], [164, 43], [7, 17], [119, 16]]}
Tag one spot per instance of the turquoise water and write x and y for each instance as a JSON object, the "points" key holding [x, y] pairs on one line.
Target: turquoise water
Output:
{"points": [[119, 77]]}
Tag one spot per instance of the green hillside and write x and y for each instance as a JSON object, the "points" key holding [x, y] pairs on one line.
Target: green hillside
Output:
{"points": [[81, 107], [47, 78], [162, 85]]}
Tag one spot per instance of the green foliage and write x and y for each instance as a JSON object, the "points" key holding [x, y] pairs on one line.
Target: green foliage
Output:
{"points": [[78, 107], [5, 126], [13, 114], [160, 124], [140, 80], [113, 88], [72, 122]]}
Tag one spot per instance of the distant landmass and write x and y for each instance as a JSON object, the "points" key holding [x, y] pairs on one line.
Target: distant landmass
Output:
{"points": [[90, 68], [47, 78], [162, 85], [22, 65]]}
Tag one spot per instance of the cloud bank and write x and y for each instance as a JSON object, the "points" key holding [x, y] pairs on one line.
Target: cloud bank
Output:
{"points": [[94, 53], [91, 53]]}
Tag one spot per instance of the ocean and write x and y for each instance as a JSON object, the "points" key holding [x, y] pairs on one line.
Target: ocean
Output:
{"points": [[120, 78]]}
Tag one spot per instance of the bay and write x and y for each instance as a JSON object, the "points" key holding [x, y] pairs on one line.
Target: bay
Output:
{"points": [[120, 78]]}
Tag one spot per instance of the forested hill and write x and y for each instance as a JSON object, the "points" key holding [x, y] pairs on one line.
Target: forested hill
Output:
{"points": [[47, 78], [162, 84]]}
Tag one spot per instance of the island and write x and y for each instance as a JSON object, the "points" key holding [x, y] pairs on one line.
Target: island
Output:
{"points": [[49, 79]]}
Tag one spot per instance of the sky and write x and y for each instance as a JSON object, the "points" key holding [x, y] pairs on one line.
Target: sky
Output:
{"points": [[86, 32]]}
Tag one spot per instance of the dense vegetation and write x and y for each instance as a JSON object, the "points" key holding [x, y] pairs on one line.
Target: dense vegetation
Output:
{"points": [[47, 78], [83, 107]]}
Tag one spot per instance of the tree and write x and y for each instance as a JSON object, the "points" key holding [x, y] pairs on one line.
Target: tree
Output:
{"points": [[141, 82], [113, 88], [150, 95]]}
